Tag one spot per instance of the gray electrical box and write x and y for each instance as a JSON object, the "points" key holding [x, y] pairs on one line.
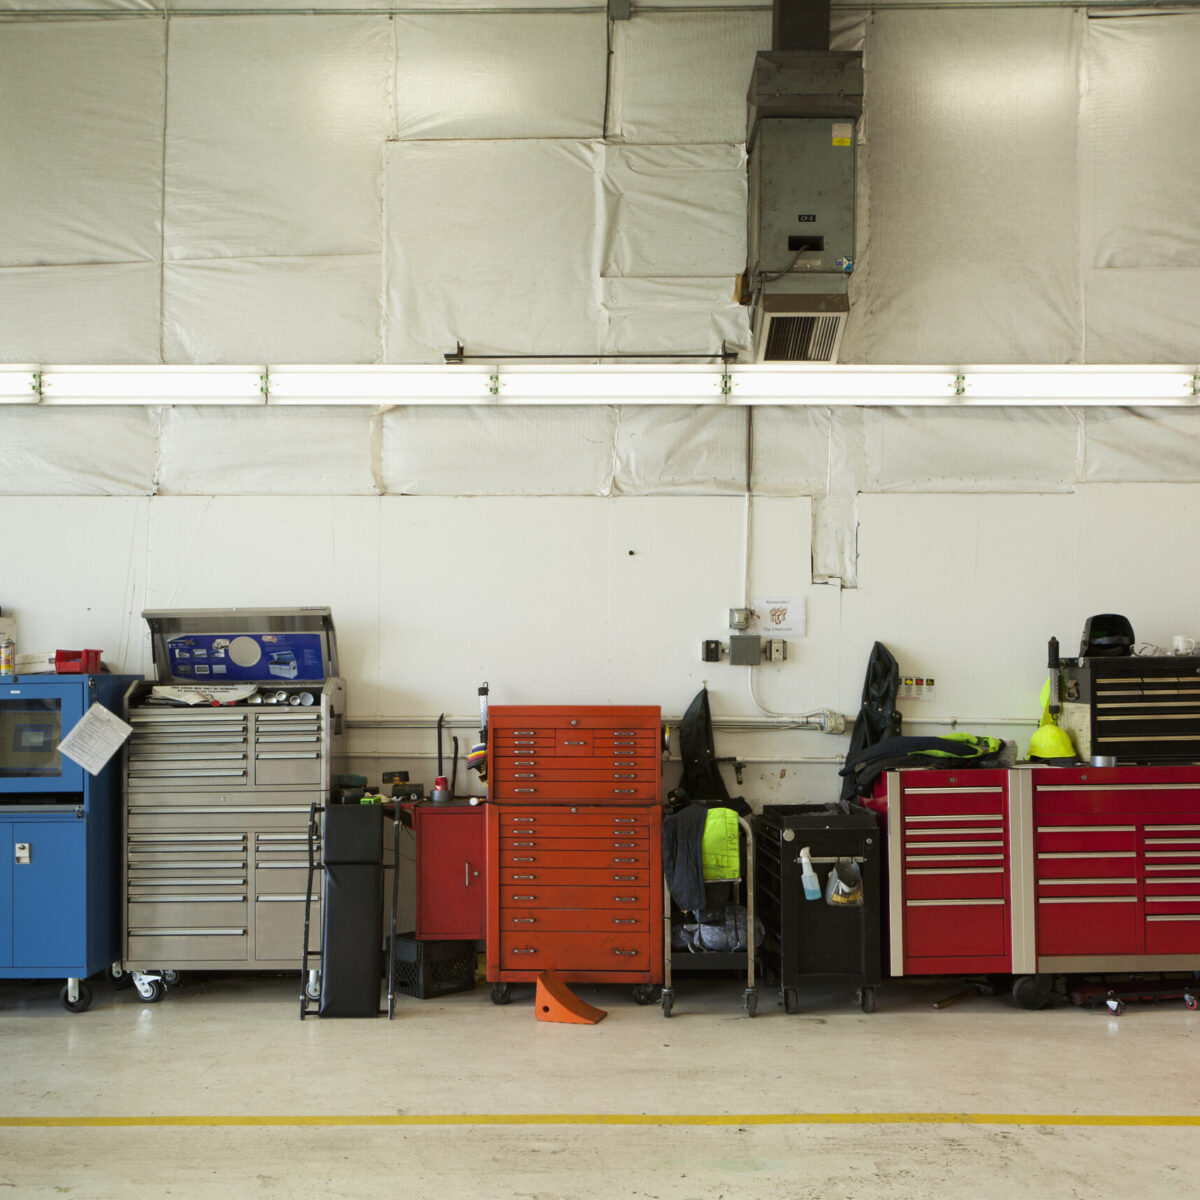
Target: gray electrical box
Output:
{"points": [[745, 649]]}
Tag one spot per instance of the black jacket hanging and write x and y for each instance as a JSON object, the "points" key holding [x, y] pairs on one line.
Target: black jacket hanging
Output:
{"points": [[877, 716]]}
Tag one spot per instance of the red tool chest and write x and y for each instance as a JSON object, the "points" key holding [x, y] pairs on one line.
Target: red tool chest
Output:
{"points": [[574, 845], [451, 891], [948, 871], [1116, 867]]}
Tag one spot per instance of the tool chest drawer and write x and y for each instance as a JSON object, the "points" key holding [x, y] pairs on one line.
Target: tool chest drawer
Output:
{"points": [[564, 881], [552, 754]]}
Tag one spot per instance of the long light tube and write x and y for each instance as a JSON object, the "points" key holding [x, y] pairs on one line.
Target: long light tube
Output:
{"points": [[612, 384], [380, 385], [152, 385], [19, 385], [769, 384]]}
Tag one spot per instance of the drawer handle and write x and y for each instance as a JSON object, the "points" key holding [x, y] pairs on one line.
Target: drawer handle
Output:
{"points": [[524, 897], [568, 742], [524, 733], [619, 776], [624, 860], [624, 764], [624, 951], [524, 920], [524, 775], [531, 950], [516, 819], [529, 763], [524, 876], [626, 899], [624, 791], [625, 920], [524, 858], [525, 845], [624, 845], [624, 879], [524, 789], [625, 820]]}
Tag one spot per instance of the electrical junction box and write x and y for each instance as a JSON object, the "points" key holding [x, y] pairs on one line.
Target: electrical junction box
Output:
{"points": [[710, 650], [776, 650], [745, 649]]}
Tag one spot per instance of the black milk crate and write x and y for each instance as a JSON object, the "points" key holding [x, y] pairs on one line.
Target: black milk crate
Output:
{"points": [[428, 969]]}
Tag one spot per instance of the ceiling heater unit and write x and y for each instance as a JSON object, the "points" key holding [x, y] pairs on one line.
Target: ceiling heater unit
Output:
{"points": [[804, 108]]}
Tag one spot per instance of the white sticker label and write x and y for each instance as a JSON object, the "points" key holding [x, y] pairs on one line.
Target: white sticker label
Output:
{"points": [[771, 618]]}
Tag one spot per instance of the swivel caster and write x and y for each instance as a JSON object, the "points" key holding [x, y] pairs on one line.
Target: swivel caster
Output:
{"points": [[644, 993], [149, 987], [866, 999], [1032, 991], [501, 993], [83, 996]]}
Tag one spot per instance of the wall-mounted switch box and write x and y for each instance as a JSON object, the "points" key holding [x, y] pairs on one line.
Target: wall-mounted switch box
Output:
{"points": [[710, 651], [739, 618], [745, 649], [776, 650]]}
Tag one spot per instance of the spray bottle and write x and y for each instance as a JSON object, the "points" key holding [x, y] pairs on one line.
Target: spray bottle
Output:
{"points": [[808, 877]]}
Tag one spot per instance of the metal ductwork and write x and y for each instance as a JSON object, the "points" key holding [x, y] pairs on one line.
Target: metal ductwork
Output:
{"points": [[804, 104]]}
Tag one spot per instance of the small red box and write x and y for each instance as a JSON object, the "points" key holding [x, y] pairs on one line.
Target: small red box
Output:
{"points": [[76, 662]]}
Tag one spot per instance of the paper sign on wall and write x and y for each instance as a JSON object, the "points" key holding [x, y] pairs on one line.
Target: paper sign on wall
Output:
{"points": [[774, 617]]}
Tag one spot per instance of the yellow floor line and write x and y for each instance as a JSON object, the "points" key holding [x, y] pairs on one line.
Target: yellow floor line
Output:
{"points": [[701, 1119]]}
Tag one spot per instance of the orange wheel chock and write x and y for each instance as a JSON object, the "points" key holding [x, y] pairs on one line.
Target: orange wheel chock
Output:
{"points": [[554, 1001]]}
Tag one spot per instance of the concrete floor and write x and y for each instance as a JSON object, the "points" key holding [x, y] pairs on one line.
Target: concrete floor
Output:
{"points": [[459, 1098]]}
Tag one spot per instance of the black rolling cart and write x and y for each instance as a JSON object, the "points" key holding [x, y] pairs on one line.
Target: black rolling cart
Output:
{"points": [[810, 941]]}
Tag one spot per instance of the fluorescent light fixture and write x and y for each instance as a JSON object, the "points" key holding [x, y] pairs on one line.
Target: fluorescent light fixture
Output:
{"points": [[380, 385], [1080, 385], [18, 385], [847, 385], [612, 384], [152, 385]]}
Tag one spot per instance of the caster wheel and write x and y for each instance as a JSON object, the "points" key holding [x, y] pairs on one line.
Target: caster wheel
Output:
{"points": [[501, 993], [1032, 991], [668, 1003], [150, 990], [171, 978], [791, 1000], [1190, 1001], [312, 989], [752, 1002], [77, 1006], [644, 993], [1116, 1006], [866, 999], [118, 978]]}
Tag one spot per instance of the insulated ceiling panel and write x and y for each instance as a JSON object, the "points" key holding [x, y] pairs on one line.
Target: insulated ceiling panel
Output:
{"points": [[1144, 154], [80, 314], [672, 316], [973, 250], [491, 244], [681, 77], [500, 75], [274, 130], [680, 450], [66, 452], [81, 110], [674, 211], [1160, 444], [266, 451], [487, 451], [272, 310], [1143, 315]]}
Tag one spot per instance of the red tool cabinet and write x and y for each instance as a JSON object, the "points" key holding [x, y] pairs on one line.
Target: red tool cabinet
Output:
{"points": [[574, 845], [949, 855], [1044, 870], [451, 890]]}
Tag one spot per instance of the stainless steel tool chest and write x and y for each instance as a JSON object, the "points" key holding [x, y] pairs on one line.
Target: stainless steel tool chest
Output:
{"points": [[217, 798]]}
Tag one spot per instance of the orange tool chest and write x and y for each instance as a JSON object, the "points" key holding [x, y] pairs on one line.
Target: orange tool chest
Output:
{"points": [[574, 845]]}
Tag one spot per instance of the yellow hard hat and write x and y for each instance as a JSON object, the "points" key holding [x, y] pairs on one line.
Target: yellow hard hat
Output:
{"points": [[1049, 743]]}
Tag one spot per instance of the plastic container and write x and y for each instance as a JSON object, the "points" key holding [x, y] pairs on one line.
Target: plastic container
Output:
{"points": [[8, 657], [427, 969], [808, 877]]}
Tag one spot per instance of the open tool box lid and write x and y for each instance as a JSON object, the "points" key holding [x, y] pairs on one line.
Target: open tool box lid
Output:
{"points": [[277, 646]]}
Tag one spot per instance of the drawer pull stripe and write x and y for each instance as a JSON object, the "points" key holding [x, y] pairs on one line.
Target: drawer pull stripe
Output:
{"points": [[626, 899], [525, 877], [954, 845], [523, 858], [1173, 853], [1173, 866], [135, 880], [1173, 841], [958, 871], [1086, 828], [524, 897], [624, 791], [1176, 917], [624, 860], [1089, 854], [932, 858], [910, 820], [948, 903], [289, 899], [625, 920], [525, 790], [1087, 899], [1171, 828], [625, 845], [531, 950], [187, 837], [525, 845], [1094, 880], [570, 743], [193, 932], [524, 920], [223, 865], [937, 831], [229, 899], [1170, 879], [954, 791], [625, 952], [1171, 899], [624, 879]]}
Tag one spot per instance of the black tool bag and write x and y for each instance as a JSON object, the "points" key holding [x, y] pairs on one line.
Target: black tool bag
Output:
{"points": [[352, 913]]}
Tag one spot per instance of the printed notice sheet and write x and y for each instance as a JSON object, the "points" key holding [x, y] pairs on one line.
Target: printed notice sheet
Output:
{"points": [[95, 739]]}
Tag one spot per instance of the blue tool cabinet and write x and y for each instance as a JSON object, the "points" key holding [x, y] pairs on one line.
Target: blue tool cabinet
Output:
{"points": [[59, 836]]}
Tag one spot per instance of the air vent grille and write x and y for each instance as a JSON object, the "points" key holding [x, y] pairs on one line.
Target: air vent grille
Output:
{"points": [[802, 339]]}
